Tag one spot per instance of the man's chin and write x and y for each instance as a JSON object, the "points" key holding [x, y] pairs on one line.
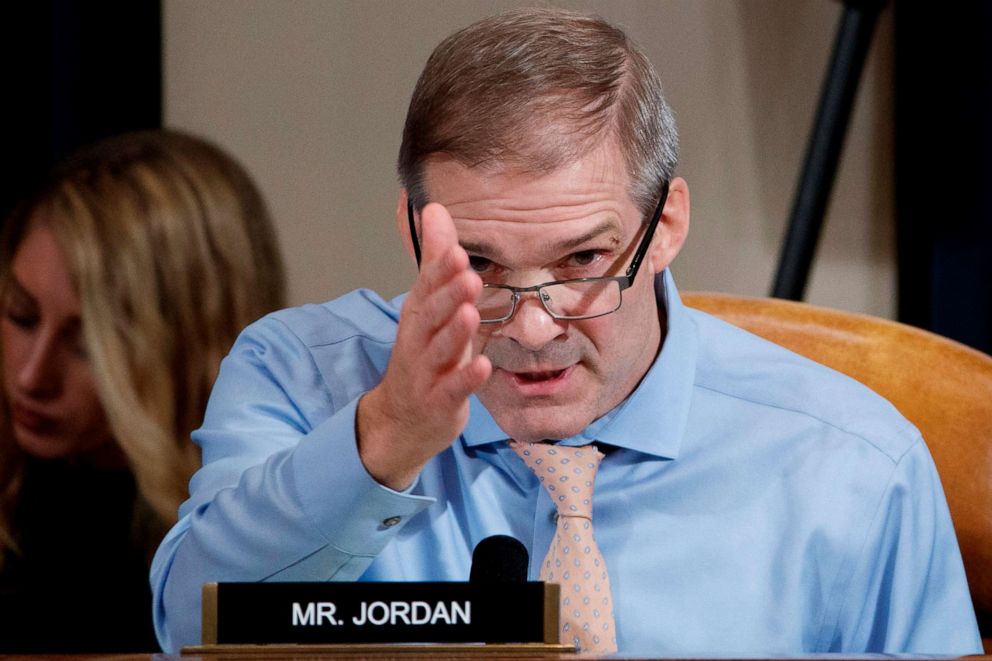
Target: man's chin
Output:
{"points": [[529, 417], [529, 426]]}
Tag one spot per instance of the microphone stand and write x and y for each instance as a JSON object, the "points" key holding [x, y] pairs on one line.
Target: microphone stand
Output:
{"points": [[823, 151]]}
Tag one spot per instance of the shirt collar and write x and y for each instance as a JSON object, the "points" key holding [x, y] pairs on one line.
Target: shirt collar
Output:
{"points": [[652, 419]]}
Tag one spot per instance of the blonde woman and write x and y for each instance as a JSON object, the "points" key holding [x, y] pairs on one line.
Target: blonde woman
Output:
{"points": [[123, 283]]}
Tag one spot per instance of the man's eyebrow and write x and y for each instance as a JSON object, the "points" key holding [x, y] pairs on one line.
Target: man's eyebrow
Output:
{"points": [[605, 227], [560, 247]]}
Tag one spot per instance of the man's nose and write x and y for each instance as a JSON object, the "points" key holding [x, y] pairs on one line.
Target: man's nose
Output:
{"points": [[532, 327]]}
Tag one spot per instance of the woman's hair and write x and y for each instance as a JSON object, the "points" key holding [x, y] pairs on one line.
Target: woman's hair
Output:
{"points": [[172, 252]]}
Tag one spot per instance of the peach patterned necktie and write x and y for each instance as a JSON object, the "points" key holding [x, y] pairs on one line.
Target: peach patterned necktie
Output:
{"points": [[574, 560]]}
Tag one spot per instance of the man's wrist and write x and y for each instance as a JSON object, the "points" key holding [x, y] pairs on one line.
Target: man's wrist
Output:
{"points": [[376, 433]]}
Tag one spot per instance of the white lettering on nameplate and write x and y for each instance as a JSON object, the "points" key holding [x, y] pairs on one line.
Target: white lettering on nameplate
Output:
{"points": [[378, 613], [316, 613]]}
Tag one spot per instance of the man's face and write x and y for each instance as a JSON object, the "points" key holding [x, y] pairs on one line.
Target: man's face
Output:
{"points": [[551, 378]]}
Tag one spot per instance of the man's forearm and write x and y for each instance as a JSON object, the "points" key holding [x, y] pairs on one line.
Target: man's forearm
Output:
{"points": [[310, 512]]}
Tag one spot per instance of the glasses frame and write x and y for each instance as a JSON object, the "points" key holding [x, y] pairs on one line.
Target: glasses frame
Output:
{"points": [[625, 281]]}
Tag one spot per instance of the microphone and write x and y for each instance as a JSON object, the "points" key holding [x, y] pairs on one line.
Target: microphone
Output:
{"points": [[499, 559]]}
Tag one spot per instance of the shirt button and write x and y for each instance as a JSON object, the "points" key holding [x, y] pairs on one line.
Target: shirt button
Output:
{"points": [[391, 521]]}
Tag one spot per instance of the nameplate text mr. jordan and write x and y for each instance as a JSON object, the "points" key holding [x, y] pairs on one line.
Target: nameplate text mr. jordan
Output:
{"points": [[432, 612]]}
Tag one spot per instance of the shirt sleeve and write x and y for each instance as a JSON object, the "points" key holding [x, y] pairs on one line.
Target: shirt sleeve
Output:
{"points": [[908, 592], [282, 494]]}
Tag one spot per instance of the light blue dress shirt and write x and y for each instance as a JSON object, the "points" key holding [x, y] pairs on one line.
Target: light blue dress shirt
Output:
{"points": [[751, 503]]}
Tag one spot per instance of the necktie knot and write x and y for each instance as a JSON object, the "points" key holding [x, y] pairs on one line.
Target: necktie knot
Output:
{"points": [[567, 473]]}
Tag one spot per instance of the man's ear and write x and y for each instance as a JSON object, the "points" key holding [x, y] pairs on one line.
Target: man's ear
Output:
{"points": [[403, 224], [669, 236]]}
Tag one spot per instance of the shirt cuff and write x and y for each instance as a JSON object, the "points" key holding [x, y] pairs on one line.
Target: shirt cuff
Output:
{"points": [[355, 513]]}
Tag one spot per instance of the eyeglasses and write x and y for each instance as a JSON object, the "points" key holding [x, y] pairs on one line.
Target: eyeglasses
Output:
{"points": [[578, 298]]}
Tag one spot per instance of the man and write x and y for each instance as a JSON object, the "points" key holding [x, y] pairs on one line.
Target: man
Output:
{"points": [[748, 502]]}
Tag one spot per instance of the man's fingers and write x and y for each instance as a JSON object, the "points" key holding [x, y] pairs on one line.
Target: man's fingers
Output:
{"points": [[432, 370], [441, 267], [422, 402], [437, 231], [427, 312], [445, 281], [442, 257], [451, 345], [459, 373], [458, 384]]}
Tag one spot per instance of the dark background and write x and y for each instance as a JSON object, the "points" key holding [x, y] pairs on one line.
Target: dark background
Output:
{"points": [[943, 92], [74, 72]]}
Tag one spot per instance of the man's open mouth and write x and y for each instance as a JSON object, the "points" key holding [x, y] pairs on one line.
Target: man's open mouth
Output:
{"points": [[535, 377]]}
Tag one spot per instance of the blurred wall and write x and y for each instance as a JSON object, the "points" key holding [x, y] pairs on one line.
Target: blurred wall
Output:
{"points": [[311, 95]]}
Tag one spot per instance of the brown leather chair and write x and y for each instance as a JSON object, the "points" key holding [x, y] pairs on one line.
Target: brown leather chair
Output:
{"points": [[943, 387]]}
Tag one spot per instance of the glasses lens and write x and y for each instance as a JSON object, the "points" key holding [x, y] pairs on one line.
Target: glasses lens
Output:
{"points": [[494, 303], [583, 298]]}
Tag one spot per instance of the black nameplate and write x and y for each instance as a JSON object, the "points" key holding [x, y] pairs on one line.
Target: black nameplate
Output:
{"points": [[322, 613]]}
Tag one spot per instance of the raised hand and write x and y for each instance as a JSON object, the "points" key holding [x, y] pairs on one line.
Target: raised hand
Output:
{"points": [[421, 405]]}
